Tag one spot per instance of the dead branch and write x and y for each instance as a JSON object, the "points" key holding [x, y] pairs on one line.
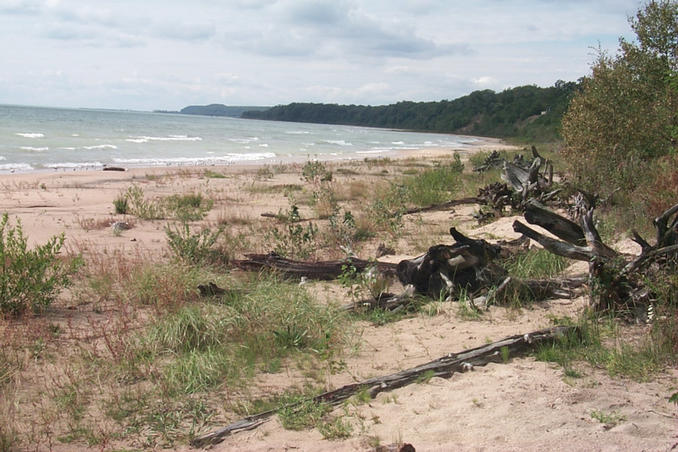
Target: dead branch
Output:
{"points": [[322, 270], [443, 367]]}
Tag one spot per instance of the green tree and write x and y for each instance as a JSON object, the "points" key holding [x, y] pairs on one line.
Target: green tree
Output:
{"points": [[625, 115]]}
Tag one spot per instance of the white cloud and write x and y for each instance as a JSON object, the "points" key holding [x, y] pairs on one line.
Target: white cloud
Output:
{"points": [[147, 55]]}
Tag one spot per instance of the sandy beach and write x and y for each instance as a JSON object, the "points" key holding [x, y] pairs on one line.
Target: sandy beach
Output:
{"points": [[521, 405]]}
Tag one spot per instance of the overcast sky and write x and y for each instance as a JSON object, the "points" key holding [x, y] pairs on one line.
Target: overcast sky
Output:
{"points": [[166, 54]]}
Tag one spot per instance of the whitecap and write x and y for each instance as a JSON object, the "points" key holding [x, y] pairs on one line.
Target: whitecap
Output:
{"points": [[34, 149], [338, 142], [74, 165], [263, 145], [31, 134], [373, 151], [100, 146], [2, 157], [15, 167], [297, 132], [145, 139], [227, 158], [398, 142]]}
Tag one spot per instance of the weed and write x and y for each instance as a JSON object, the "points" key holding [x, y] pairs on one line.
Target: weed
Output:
{"points": [[300, 413], [213, 175], [193, 247], [337, 428], [535, 263], [293, 240], [212, 344], [121, 205], [505, 354], [264, 172], [30, 278], [610, 419], [425, 377], [142, 207], [315, 172], [188, 207]]}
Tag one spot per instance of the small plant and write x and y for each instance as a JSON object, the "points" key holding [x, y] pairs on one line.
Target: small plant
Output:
{"points": [[315, 172], [30, 278], [121, 205], [505, 354], [193, 247], [609, 419], [425, 377], [189, 207], [209, 174], [294, 240], [289, 216], [536, 263], [142, 207]]}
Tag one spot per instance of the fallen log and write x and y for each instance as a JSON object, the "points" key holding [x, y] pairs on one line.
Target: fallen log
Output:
{"points": [[443, 367], [448, 270], [321, 270], [617, 282], [438, 207]]}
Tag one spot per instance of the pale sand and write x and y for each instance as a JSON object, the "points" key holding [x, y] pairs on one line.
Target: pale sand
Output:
{"points": [[522, 405]]}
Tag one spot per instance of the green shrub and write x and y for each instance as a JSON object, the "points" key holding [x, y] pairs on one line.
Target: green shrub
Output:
{"points": [[30, 278], [142, 207], [193, 247], [121, 205], [536, 263], [294, 240], [189, 207], [249, 329]]}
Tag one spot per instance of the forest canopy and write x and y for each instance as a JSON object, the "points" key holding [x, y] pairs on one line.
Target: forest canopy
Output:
{"points": [[529, 112]]}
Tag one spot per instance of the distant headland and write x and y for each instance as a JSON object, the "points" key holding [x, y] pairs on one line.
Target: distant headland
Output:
{"points": [[215, 110]]}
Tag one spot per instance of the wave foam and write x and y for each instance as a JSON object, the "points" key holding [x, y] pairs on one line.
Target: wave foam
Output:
{"points": [[100, 146], [146, 139], [228, 158], [338, 142], [74, 165], [31, 134], [31, 148], [16, 167]]}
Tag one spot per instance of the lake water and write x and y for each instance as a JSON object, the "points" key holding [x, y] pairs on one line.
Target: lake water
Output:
{"points": [[35, 139]]}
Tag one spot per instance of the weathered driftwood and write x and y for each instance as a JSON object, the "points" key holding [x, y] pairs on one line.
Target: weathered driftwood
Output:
{"points": [[443, 367], [446, 269], [323, 270], [619, 283], [437, 207]]}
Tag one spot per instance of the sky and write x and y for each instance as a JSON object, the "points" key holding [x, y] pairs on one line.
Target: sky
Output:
{"points": [[166, 54]]}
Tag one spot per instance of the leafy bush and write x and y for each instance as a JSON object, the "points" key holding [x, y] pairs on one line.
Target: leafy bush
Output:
{"points": [[193, 247], [30, 278], [624, 116], [142, 207], [294, 240], [121, 205], [189, 207]]}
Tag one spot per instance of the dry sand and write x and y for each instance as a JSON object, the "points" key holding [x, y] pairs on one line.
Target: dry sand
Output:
{"points": [[522, 405]]}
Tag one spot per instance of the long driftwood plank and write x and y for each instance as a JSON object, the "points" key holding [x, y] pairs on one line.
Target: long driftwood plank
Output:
{"points": [[442, 206], [324, 270], [443, 367]]}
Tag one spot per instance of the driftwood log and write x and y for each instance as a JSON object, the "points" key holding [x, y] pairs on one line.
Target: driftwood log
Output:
{"points": [[443, 367], [467, 269], [617, 281], [321, 270]]}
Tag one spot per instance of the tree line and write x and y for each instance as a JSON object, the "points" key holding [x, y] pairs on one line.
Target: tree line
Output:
{"points": [[529, 112]]}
